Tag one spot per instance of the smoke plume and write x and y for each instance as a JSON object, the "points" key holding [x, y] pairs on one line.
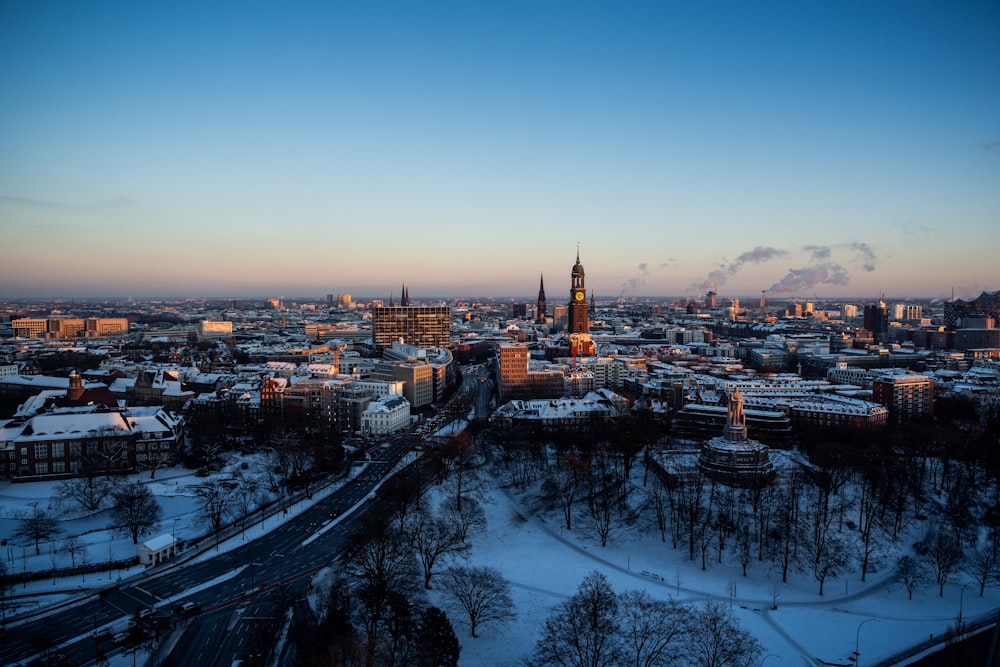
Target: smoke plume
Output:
{"points": [[802, 280], [719, 276], [630, 286], [864, 254]]}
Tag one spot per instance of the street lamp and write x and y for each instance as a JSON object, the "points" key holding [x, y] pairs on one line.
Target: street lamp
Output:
{"points": [[857, 639], [173, 537], [961, 598]]}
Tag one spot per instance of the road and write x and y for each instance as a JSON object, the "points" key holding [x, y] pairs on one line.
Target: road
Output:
{"points": [[253, 579]]}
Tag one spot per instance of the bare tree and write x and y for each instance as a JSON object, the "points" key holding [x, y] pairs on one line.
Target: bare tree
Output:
{"points": [[470, 518], [744, 547], [39, 526], [520, 465], [217, 503], [693, 513], [649, 628], [981, 565], [562, 484], [583, 631], [787, 531], [912, 573], [73, 547], [379, 561], [831, 561], [435, 538], [716, 639], [658, 498], [245, 495], [273, 472], [601, 508], [134, 510], [402, 494], [90, 492], [107, 454], [482, 594], [463, 478], [944, 557]]}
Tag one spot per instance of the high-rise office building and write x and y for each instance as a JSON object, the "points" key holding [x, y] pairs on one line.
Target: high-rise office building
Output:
{"points": [[421, 326], [876, 320]]}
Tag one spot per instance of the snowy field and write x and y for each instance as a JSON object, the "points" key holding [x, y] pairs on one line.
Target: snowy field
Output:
{"points": [[545, 564]]}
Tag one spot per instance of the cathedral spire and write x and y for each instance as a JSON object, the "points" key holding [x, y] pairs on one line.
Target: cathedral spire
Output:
{"points": [[540, 315]]}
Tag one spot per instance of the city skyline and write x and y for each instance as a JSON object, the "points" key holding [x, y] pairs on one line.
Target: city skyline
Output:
{"points": [[255, 150]]}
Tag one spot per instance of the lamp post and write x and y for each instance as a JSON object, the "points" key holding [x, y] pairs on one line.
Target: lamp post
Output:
{"points": [[857, 640], [173, 537], [961, 599]]}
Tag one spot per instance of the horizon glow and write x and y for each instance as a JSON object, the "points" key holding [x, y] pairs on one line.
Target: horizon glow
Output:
{"points": [[249, 149]]}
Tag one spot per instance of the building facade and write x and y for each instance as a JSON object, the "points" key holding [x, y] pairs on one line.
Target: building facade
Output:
{"points": [[421, 326], [906, 396], [73, 441], [67, 327], [386, 415]]}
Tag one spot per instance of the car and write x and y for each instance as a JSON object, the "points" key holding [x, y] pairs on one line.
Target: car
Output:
{"points": [[101, 633], [145, 612], [121, 637], [187, 609]]}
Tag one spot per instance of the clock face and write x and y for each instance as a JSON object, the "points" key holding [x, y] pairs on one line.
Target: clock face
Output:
{"points": [[580, 296]]}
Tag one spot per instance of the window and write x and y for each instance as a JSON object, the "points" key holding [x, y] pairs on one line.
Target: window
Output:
{"points": [[58, 450], [42, 450], [74, 448], [58, 466], [41, 468], [24, 462], [24, 451]]}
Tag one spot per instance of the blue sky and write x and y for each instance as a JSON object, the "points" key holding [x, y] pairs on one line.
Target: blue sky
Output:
{"points": [[265, 149]]}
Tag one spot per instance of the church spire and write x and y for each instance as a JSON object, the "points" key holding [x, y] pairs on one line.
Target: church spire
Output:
{"points": [[540, 315]]}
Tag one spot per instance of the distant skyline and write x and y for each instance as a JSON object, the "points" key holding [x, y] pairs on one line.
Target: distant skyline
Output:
{"points": [[814, 150]]}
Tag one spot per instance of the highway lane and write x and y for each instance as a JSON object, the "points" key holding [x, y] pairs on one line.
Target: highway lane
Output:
{"points": [[284, 552]]}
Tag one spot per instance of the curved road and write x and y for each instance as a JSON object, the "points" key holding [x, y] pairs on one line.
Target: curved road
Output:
{"points": [[235, 589]]}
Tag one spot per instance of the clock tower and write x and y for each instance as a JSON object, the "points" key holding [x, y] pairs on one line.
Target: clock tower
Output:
{"points": [[578, 322]]}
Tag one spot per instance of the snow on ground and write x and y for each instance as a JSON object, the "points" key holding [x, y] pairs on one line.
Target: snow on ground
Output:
{"points": [[174, 490], [546, 563]]}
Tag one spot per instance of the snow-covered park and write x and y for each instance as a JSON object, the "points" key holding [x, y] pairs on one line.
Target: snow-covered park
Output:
{"points": [[545, 563]]}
